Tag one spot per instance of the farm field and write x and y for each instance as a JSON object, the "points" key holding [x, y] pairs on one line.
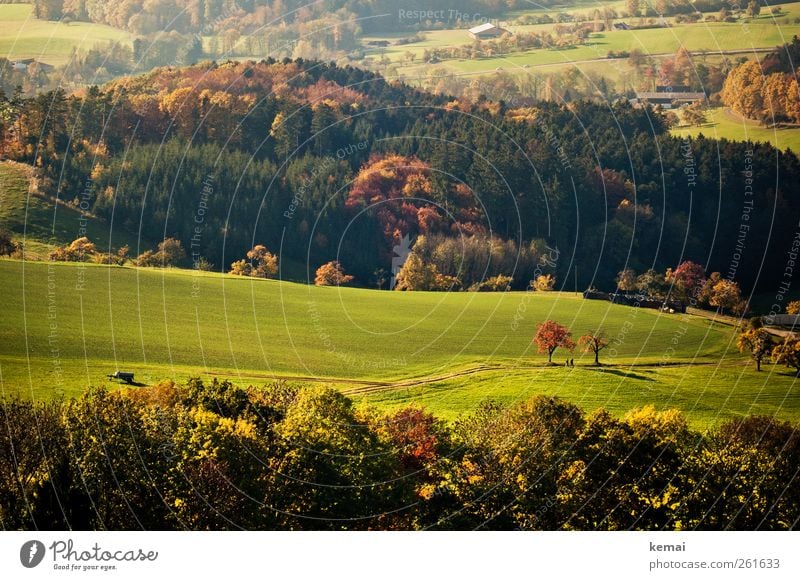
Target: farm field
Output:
{"points": [[24, 36], [710, 37], [722, 123], [448, 351]]}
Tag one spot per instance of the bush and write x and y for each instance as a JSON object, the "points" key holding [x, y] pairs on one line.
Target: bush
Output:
{"points": [[260, 263], [7, 245], [80, 250], [499, 283], [331, 274], [544, 283], [170, 253]]}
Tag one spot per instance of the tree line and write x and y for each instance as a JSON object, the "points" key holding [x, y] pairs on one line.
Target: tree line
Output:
{"points": [[212, 456], [322, 162]]}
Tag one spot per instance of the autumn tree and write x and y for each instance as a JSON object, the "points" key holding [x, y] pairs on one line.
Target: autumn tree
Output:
{"points": [[544, 283], [550, 335], [79, 250], [793, 307], [757, 342], [788, 353], [727, 295], [626, 280], [686, 280], [593, 342], [260, 263], [331, 274], [170, 252], [417, 275]]}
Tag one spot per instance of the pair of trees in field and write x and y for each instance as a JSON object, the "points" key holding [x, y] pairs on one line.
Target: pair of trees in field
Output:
{"points": [[761, 345], [551, 335]]}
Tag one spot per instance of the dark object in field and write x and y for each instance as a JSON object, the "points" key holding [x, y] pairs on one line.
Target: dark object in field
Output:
{"points": [[120, 376]]}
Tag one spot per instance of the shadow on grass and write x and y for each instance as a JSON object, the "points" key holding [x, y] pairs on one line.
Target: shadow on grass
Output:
{"points": [[619, 373]]}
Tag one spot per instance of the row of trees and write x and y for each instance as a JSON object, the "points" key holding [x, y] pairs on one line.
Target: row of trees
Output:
{"points": [[169, 253], [320, 161], [213, 456], [766, 91], [687, 283]]}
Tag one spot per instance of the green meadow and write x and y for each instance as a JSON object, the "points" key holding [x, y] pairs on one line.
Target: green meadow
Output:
{"points": [[66, 326], [24, 36], [722, 123]]}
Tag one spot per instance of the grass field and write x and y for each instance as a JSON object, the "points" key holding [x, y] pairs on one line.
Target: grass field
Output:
{"points": [[23, 36], [722, 123], [66, 326], [41, 224]]}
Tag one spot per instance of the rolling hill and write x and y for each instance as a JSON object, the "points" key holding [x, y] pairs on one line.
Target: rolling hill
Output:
{"points": [[66, 326]]}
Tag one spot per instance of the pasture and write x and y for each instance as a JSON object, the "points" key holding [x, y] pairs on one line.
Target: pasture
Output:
{"points": [[66, 326], [24, 36]]}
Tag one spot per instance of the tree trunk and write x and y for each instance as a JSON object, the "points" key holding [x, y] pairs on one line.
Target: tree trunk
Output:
{"points": [[758, 364], [597, 358]]}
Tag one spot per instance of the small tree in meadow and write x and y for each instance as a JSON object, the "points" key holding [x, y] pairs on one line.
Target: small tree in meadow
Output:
{"points": [[593, 343], [79, 250], [331, 274], [550, 335], [757, 342], [544, 283], [260, 263], [788, 354]]}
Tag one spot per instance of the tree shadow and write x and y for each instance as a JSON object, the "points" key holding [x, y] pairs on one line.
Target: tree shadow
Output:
{"points": [[619, 373]]}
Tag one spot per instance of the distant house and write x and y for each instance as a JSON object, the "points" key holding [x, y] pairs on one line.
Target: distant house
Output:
{"points": [[669, 97], [621, 26], [488, 30], [23, 64]]}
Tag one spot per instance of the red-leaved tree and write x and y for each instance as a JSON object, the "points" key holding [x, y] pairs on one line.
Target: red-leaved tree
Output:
{"points": [[550, 335]]}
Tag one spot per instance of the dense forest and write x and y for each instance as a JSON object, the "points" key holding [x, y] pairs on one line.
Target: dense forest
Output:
{"points": [[219, 457], [323, 163]]}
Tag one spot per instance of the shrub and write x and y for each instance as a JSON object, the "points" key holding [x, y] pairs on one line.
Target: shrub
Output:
{"points": [[499, 283], [544, 283], [7, 245], [79, 250], [331, 274], [260, 263]]}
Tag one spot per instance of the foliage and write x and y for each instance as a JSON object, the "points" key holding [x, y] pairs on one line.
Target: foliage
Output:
{"points": [[788, 353], [416, 275], [169, 253], [550, 335], [757, 342], [331, 274], [544, 283], [594, 343], [793, 307], [499, 283], [7, 245], [80, 250], [280, 457]]}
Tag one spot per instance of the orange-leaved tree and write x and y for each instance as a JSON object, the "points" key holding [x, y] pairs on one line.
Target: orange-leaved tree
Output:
{"points": [[593, 342], [331, 274], [550, 335]]}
